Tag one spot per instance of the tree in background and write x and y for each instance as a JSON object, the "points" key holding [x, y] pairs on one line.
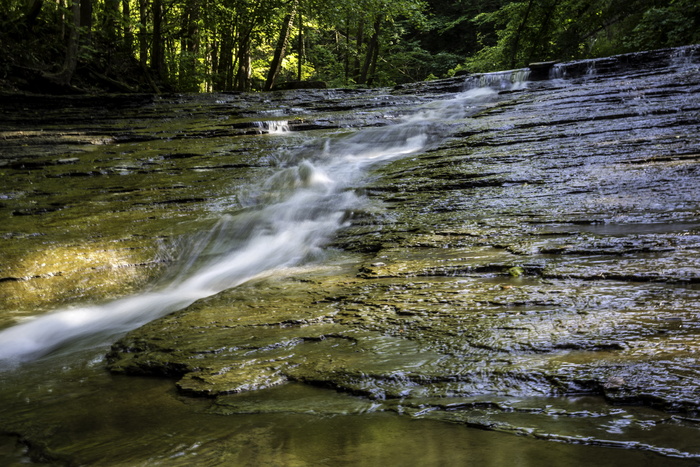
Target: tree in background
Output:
{"points": [[243, 45], [538, 30], [672, 24]]}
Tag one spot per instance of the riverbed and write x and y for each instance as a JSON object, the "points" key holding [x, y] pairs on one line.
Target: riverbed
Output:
{"points": [[486, 269]]}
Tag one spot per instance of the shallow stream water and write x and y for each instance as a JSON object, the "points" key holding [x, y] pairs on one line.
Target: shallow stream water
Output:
{"points": [[408, 276]]}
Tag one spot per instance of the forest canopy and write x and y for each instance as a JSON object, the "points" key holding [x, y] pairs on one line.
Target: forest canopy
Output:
{"points": [[243, 45]]}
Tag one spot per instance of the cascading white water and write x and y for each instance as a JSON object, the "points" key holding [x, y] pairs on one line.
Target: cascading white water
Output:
{"points": [[294, 212], [557, 72], [509, 79], [274, 126]]}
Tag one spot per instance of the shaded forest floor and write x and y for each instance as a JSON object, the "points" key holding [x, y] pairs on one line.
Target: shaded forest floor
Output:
{"points": [[28, 65]]}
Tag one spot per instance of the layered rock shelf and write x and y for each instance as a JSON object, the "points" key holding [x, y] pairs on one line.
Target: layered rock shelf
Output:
{"points": [[540, 260]]}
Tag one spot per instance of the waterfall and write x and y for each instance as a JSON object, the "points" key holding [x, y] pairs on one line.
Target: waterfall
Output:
{"points": [[558, 71], [291, 216], [509, 79], [273, 126]]}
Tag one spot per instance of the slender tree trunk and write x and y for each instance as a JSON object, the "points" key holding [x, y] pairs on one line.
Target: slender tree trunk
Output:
{"points": [[183, 68], [73, 45], [110, 21], [372, 54], [170, 52], [62, 18], [143, 32], [194, 40], [222, 80], [157, 48], [231, 56], [301, 46], [65, 75], [231, 72], [33, 11], [540, 45], [86, 17], [375, 58], [519, 33], [128, 40], [281, 48], [189, 47], [358, 48], [228, 63], [214, 54], [347, 50], [242, 79]]}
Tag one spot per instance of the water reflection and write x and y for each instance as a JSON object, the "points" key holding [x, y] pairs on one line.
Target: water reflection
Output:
{"points": [[94, 418]]}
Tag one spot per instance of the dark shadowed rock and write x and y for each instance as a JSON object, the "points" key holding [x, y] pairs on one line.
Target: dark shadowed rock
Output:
{"points": [[289, 85]]}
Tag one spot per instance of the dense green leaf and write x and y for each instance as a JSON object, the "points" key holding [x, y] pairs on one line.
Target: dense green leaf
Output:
{"points": [[220, 45]]}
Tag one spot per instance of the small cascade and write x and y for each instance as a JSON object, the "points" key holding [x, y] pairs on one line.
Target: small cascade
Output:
{"points": [[558, 71], [502, 80], [682, 57], [273, 126], [685, 57], [591, 70]]}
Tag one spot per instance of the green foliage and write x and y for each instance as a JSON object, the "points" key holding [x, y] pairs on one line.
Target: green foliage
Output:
{"points": [[538, 30], [327, 66], [669, 26], [409, 62], [221, 45]]}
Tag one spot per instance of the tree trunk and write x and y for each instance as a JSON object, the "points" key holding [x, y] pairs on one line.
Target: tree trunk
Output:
{"points": [[157, 49], [86, 17], [537, 47], [301, 46], [242, 79], [224, 62], [227, 63], [62, 18], [372, 54], [65, 75], [128, 39], [73, 44], [143, 33], [214, 54], [281, 48], [375, 58], [358, 48], [347, 50], [519, 33], [33, 12], [189, 47], [110, 20]]}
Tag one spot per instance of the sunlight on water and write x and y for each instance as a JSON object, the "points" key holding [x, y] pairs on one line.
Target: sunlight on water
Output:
{"points": [[293, 213]]}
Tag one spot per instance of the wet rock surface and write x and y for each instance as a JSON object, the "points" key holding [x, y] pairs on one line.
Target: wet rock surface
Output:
{"points": [[99, 192], [541, 263], [549, 248]]}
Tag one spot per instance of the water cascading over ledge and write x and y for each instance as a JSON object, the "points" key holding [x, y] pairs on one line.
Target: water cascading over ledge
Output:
{"points": [[545, 71], [533, 272]]}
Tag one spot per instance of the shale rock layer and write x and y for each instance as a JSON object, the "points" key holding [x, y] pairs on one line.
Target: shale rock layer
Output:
{"points": [[549, 247]]}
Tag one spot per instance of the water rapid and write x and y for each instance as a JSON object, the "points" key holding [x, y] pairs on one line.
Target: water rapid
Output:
{"points": [[290, 217]]}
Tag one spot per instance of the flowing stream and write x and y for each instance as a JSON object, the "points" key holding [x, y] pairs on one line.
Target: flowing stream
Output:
{"points": [[291, 215], [519, 257]]}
